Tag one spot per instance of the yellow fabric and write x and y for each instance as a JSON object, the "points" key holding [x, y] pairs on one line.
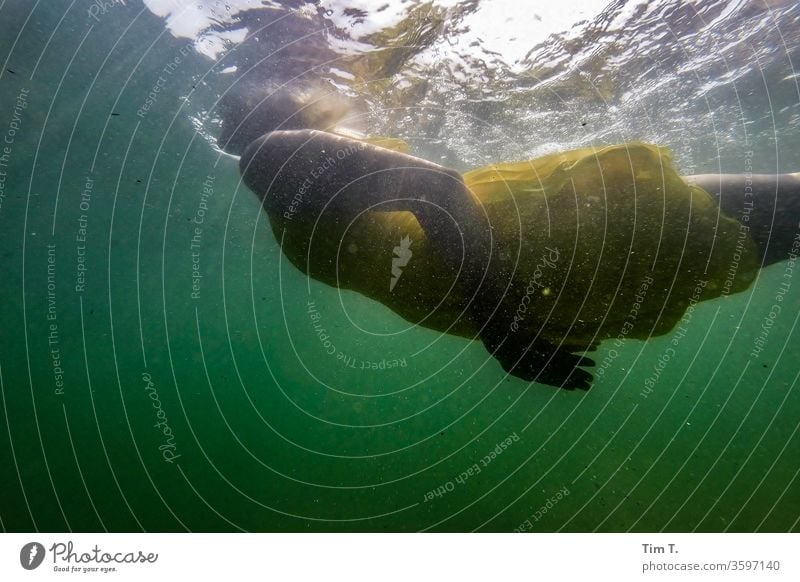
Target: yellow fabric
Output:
{"points": [[635, 243], [617, 218], [390, 143]]}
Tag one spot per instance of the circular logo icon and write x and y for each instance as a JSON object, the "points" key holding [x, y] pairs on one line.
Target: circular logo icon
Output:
{"points": [[31, 555]]}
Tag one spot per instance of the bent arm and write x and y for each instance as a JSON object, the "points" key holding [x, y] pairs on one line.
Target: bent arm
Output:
{"points": [[302, 174]]}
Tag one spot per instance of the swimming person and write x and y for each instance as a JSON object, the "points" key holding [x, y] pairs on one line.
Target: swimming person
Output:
{"points": [[541, 260]]}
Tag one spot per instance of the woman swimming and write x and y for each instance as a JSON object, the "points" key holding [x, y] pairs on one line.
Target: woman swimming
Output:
{"points": [[541, 260]]}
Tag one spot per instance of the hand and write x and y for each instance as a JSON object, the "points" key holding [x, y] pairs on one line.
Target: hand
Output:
{"points": [[543, 362]]}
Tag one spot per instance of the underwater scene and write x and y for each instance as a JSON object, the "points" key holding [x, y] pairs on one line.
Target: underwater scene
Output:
{"points": [[399, 266]]}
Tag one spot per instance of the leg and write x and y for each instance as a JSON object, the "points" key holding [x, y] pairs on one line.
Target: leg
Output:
{"points": [[769, 204]]}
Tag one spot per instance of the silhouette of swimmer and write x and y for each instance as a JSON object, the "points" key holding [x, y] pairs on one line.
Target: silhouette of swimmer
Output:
{"points": [[541, 260]]}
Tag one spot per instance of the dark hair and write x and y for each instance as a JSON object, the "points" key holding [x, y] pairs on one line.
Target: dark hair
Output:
{"points": [[249, 111]]}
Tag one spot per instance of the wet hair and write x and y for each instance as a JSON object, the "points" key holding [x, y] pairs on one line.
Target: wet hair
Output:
{"points": [[249, 111]]}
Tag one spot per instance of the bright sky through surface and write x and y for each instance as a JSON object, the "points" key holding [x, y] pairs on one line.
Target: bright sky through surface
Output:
{"points": [[507, 27]]}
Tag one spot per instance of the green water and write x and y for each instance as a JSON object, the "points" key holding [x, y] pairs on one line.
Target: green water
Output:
{"points": [[256, 427]]}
